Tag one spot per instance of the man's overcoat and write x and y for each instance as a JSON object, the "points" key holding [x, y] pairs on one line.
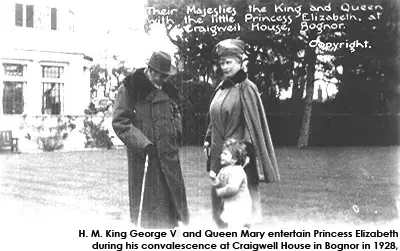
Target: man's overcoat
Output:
{"points": [[146, 115]]}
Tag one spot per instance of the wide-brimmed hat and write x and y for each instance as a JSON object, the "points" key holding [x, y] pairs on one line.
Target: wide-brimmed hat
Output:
{"points": [[229, 47], [161, 62]]}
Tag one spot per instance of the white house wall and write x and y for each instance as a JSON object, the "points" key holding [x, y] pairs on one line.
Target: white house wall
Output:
{"points": [[76, 79], [39, 45], [77, 90]]}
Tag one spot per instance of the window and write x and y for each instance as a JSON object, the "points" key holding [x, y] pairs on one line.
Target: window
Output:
{"points": [[52, 71], [29, 16], [53, 18], [71, 21], [51, 98], [52, 89], [13, 92], [13, 98], [14, 70], [19, 15]]}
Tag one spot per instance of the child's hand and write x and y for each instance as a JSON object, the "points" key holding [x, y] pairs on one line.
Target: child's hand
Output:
{"points": [[213, 178], [214, 182]]}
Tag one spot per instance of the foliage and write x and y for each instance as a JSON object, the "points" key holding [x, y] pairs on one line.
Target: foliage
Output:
{"points": [[96, 135], [49, 133], [274, 59], [104, 83], [51, 143], [369, 79], [194, 103], [54, 141]]}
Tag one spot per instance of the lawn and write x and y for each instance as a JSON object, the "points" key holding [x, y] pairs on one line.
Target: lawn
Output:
{"points": [[354, 185]]}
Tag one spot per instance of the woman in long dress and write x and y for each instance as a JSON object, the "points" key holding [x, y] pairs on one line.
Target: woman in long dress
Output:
{"points": [[236, 111]]}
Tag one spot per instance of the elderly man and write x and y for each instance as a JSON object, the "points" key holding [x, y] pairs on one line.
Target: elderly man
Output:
{"points": [[147, 121]]}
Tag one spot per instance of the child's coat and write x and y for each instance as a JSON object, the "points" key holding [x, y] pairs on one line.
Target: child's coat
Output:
{"points": [[232, 188]]}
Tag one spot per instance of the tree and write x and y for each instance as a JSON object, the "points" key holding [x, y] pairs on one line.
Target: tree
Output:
{"points": [[104, 86], [370, 76], [276, 55]]}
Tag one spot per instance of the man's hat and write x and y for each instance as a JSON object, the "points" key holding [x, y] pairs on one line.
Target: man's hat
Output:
{"points": [[161, 62]]}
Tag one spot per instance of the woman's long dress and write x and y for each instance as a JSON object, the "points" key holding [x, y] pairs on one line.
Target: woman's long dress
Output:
{"points": [[227, 121]]}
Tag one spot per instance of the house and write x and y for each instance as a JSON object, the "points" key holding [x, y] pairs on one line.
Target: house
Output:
{"points": [[44, 70]]}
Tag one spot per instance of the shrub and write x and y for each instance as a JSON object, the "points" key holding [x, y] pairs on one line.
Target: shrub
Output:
{"points": [[51, 143], [52, 138], [96, 135]]}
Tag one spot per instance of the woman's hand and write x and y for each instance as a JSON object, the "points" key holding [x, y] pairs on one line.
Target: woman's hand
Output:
{"points": [[246, 161], [206, 149]]}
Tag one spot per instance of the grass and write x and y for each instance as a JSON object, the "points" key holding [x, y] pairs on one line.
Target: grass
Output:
{"points": [[351, 185], [358, 185]]}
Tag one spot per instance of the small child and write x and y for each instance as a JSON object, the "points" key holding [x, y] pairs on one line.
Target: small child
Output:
{"points": [[231, 185]]}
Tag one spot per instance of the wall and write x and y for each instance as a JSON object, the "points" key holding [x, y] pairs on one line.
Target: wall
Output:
{"points": [[76, 79], [41, 45]]}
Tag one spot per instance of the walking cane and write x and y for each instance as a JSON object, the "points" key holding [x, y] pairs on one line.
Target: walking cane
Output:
{"points": [[146, 164]]}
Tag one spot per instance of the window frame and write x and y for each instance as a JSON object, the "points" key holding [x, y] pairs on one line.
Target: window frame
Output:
{"points": [[29, 22], [53, 26], [45, 110], [16, 80], [22, 19], [56, 80], [19, 21]]}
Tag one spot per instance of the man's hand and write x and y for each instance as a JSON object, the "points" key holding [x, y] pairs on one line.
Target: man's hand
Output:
{"points": [[147, 149], [151, 150]]}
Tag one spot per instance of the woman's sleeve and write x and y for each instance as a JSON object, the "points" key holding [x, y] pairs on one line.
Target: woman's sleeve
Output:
{"points": [[208, 132], [122, 124], [209, 127]]}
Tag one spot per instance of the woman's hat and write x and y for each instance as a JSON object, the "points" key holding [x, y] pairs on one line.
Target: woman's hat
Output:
{"points": [[161, 62], [229, 47]]}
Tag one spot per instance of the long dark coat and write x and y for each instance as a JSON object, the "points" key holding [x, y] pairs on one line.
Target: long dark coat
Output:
{"points": [[145, 115]]}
